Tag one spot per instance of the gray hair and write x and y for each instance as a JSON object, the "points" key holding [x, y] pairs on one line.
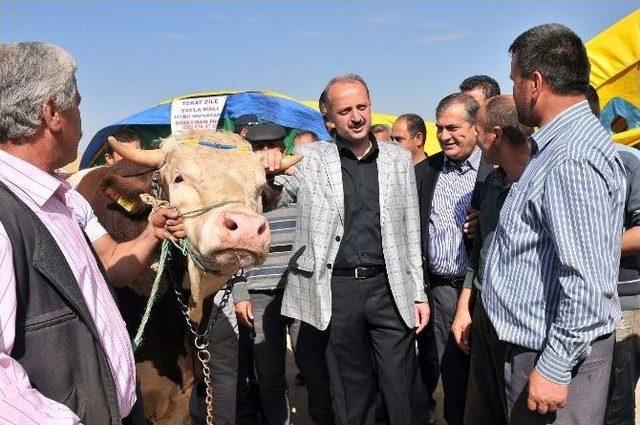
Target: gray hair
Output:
{"points": [[346, 78], [470, 105], [32, 74]]}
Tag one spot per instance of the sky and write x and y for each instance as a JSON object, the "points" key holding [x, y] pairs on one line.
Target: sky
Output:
{"points": [[132, 55]]}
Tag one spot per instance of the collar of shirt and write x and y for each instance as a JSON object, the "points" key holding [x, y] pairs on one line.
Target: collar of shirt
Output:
{"points": [[545, 134], [345, 151], [35, 183], [471, 163], [498, 178]]}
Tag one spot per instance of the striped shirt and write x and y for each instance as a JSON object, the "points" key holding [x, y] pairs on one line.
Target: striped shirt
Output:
{"points": [[273, 273], [451, 198], [552, 267], [65, 214]]}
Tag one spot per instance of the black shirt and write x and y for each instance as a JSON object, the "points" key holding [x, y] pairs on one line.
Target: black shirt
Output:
{"points": [[495, 193], [361, 244]]}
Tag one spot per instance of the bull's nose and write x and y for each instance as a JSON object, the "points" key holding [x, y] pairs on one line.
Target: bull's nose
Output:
{"points": [[246, 225]]}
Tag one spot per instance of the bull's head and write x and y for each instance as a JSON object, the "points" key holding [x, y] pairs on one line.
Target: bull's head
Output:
{"points": [[216, 182]]}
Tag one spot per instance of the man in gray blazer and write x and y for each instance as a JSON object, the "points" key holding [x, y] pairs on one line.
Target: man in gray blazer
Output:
{"points": [[356, 268]]}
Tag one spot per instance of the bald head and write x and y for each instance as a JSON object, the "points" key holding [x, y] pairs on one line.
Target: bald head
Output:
{"points": [[500, 111], [500, 134]]}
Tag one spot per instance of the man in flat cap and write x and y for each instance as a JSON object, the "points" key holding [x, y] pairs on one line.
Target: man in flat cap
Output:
{"points": [[244, 122], [258, 299]]}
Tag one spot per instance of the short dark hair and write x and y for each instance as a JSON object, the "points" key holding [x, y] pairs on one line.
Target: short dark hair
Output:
{"points": [[322, 103], [124, 135], [379, 128], [594, 100], [415, 124], [471, 106], [557, 53], [501, 112], [488, 85]]}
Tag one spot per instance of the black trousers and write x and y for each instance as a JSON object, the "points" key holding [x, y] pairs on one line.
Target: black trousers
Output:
{"points": [[367, 335], [454, 363], [486, 398]]}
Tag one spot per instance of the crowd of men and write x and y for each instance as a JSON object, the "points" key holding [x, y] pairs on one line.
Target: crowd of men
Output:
{"points": [[506, 266]]}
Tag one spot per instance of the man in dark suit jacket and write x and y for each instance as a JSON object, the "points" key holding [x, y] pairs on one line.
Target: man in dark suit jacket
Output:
{"points": [[448, 183]]}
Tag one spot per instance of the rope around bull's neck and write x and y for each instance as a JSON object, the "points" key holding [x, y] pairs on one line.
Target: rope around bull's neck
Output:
{"points": [[182, 247], [185, 248]]}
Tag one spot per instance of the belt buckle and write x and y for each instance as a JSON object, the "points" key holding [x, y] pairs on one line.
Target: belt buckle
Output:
{"points": [[358, 275]]}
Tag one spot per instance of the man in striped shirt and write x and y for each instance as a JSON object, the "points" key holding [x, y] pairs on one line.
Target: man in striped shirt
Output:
{"points": [[446, 184], [549, 285], [65, 354]]}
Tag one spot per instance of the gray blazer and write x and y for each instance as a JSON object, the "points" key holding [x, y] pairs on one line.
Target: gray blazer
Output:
{"points": [[317, 188]]}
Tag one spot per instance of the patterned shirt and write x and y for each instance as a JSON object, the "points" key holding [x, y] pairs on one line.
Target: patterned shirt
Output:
{"points": [[65, 213], [451, 198], [552, 267]]}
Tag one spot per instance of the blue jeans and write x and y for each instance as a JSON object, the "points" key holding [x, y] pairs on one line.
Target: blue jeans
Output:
{"points": [[626, 370]]}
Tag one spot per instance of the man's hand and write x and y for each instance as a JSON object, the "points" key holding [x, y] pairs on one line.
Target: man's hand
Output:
{"points": [[421, 310], [272, 160], [244, 313], [544, 395], [461, 329], [471, 222], [167, 224]]}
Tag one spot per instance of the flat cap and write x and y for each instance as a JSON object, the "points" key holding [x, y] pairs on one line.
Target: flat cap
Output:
{"points": [[265, 131], [243, 120]]}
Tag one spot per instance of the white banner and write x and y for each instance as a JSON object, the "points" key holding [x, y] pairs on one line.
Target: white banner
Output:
{"points": [[199, 113]]}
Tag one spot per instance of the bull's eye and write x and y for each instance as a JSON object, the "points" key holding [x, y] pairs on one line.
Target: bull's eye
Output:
{"points": [[178, 178]]}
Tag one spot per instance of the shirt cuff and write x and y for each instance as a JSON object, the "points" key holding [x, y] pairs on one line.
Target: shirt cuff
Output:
{"points": [[554, 367]]}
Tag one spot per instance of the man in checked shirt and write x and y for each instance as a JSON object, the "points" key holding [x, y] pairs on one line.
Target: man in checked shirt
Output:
{"points": [[549, 284], [65, 354]]}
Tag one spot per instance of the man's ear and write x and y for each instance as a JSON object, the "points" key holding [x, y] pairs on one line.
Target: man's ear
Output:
{"points": [[419, 138], [537, 82], [51, 116], [497, 130]]}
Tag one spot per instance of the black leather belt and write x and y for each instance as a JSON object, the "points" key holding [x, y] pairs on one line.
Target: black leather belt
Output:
{"points": [[360, 272], [455, 281]]}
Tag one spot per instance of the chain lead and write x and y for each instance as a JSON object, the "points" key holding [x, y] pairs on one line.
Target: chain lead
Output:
{"points": [[200, 340]]}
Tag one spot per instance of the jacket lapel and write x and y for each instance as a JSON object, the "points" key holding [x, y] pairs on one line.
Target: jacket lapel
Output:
{"points": [[429, 186], [331, 160], [427, 179], [385, 167]]}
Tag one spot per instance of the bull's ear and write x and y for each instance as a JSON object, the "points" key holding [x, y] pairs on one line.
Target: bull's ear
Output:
{"points": [[125, 192]]}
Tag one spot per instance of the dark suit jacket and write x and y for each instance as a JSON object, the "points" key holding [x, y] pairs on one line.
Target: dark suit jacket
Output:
{"points": [[427, 173]]}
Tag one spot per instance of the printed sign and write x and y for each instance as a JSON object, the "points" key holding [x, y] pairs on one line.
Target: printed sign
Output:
{"points": [[199, 113]]}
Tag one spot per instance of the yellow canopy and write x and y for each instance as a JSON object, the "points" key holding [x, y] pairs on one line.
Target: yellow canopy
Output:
{"points": [[615, 67]]}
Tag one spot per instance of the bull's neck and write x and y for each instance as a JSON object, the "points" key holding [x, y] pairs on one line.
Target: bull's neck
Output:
{"points": [[203, 285]]}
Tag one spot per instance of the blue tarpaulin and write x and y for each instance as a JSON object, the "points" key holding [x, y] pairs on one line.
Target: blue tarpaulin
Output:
{"points": [[286, 112]]}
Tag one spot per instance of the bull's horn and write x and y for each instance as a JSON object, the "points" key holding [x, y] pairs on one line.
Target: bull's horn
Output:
{"points": [[151, 157], [290, 161]]}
